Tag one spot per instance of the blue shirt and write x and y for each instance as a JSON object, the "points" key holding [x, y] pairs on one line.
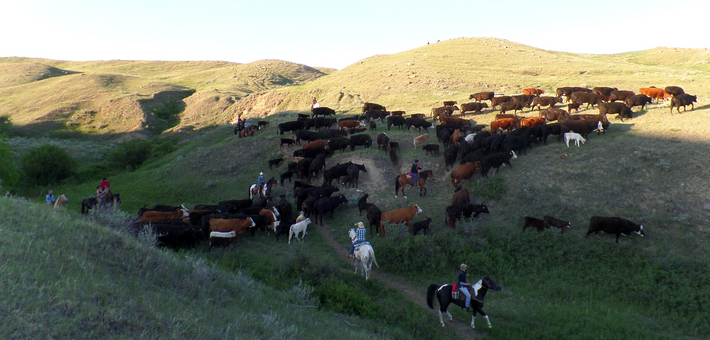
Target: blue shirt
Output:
{"points": [[360, 234], [260, 180], [50, 199]]}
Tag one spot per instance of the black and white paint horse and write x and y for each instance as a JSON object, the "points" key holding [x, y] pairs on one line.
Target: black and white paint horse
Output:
{"points": [[478, 293], [263, 191]]}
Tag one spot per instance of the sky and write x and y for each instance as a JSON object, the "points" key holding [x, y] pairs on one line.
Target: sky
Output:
{"points": [[334, 33]]}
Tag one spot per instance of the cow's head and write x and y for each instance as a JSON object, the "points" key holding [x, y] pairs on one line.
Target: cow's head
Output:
{"points": [[253, 224], [276, 211], [185, 213], [418, 209], [640, 231], [514, 156]]}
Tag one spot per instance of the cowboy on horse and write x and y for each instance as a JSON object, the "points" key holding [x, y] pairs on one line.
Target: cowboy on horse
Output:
{"points": [[102, 190], [360, 237], [415, 171], [463, 286]]}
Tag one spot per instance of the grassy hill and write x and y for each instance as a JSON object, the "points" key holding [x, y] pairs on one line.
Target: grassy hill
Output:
{"points": [[649, 169]]}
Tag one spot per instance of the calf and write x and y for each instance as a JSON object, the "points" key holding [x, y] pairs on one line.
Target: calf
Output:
{"points": [[496, 160], [638, 100], [573, 106], [559, 224], [613, 225], [394, 146], [393, 157], [297, 228], [288, 141], [455, 212], [420, 140], [373, 125], [450, 103], [533, 222], [421, 225], [276, 162], [433, 148], [574, 136]]}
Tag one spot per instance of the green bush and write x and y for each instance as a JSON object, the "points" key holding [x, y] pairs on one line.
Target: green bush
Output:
{"points": [[46, 165], [130, 154], [8, 172], [492, 188], [339, 297], [5, 125]]}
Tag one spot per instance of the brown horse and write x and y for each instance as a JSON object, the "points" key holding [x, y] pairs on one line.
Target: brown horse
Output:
{"points": [[110, 199], [402, 180]]}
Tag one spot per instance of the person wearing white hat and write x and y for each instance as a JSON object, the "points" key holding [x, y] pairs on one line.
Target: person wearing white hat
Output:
{"points": [[463, 285], [360, 234]]}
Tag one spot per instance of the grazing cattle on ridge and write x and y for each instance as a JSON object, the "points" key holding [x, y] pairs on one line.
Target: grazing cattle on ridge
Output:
{"points": [[613, 225], [512, 105], [456, 212], [327, 204], [376, 114], [683, 100], [482, 96], [418, 123], [398, 216], [395, 121], [291, 126], [323, 122]]}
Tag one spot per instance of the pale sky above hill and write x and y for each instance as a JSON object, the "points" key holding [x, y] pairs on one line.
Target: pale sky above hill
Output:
{"points": [[335, 33]]}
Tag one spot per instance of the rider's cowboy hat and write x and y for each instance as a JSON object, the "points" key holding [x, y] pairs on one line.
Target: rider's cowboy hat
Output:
{"points": [[360, 225]]}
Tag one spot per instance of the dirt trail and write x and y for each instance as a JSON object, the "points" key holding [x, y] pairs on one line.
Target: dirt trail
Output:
{"points": [[417, 295]]}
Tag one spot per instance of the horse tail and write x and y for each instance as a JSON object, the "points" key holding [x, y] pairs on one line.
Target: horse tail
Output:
{"points": [[396, 184], [372, 252], [431, 291]]}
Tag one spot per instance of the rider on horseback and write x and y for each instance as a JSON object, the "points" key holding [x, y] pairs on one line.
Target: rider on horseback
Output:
{"points": [[260, 182], [360, 234], [463, 286], [102, 190], [415, 172]]}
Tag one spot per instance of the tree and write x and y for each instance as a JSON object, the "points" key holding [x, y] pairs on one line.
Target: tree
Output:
{"points": [[47, 164], [8, 172], [131, 153]]}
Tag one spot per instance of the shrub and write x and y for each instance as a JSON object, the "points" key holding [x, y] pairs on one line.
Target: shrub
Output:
{"points": [[492, 188], [8, 172], [5, 125], [47, 164], [130, 154]]}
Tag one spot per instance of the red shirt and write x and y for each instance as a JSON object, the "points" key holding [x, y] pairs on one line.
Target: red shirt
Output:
{"points": [[104, 184]]}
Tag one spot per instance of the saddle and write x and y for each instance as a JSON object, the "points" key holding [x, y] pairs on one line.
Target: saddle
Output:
{"points": [[357, 246], [409, 175]]}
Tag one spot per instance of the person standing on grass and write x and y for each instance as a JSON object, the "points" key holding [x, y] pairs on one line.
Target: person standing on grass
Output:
{"points": [[50, 197]]}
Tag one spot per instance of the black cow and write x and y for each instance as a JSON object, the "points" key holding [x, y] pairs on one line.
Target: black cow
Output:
{"points": [[393, 157], [450, 156], [376, 114], [291, 126], [675, 90], [433, 148], [512, 105], [362, 140], [683, 100], [383, 141], [288, 141], [459, 211], [444, 136], [286, 175], [614, 225], [395, 121], [614, 107], [276, 162], [331, 134], [177, 235], [318, 192], [322, 111], [421, 225], [474, 156], [536, 223], [231, 206], [582, 127], [518, 143], [394, 145], [354, 172], [338, 144], [323, 122], [584, 97], [638, 100], [559, 224], [305, 135], [327, 204], [335, 172], [544, 101], [316, 166], [418, 123], [362, 204], [373, 217], [373, 126], [496, 160], [620, 95]]}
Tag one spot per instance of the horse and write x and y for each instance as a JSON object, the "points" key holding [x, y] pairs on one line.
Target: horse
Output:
{"points": [[62, 200], [364, 254], [110, 199], [402, 180], [263, 191], [478, 293]]}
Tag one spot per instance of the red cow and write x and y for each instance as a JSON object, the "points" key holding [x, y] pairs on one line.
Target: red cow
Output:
{"points": [[502, 124], [161, 216], [536, 92], [655, 93], [398, 216], [350, 124], [316, 144], [533, 121], [482, 96], [463, 172]]}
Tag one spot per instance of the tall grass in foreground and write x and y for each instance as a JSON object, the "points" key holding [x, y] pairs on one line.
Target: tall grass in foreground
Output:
{"points": [[65, 276]]}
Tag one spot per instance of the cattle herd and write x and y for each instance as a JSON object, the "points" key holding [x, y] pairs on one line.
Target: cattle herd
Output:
{"points": [[508, 137]]}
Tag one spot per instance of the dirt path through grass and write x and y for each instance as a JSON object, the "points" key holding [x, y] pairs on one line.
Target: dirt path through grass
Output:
{"points": [[417, 295]]}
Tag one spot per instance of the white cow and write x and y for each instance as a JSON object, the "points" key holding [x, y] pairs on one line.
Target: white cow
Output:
{"points": [[574, 136], [297, 228]]}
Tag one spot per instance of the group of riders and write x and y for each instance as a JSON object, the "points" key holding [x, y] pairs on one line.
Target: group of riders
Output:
{"points": [[102, 191]]}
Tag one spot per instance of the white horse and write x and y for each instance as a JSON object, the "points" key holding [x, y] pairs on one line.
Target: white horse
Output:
{"points": [[364, 254], [574, 136], [298, 228], [62, 200]]}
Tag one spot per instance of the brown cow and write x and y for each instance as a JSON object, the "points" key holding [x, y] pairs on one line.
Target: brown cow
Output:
{"points": [[271, 217], [495, 101], [455, 137], [584, 97], [162, 216], [461, 196], [533, 91], [502, 124], [420, 140], [397, 113], [655, 93], [516, 118], [544, 101], [553, 114], [418, 115], [533, 121], [620, 95], [604, 90], [398, 216], [443, 111], [450, 103], [475, 107], [482, 96], [316, 144], [512, 105], [454, 121], [350, 124], [236, 225], [463, 172]]}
